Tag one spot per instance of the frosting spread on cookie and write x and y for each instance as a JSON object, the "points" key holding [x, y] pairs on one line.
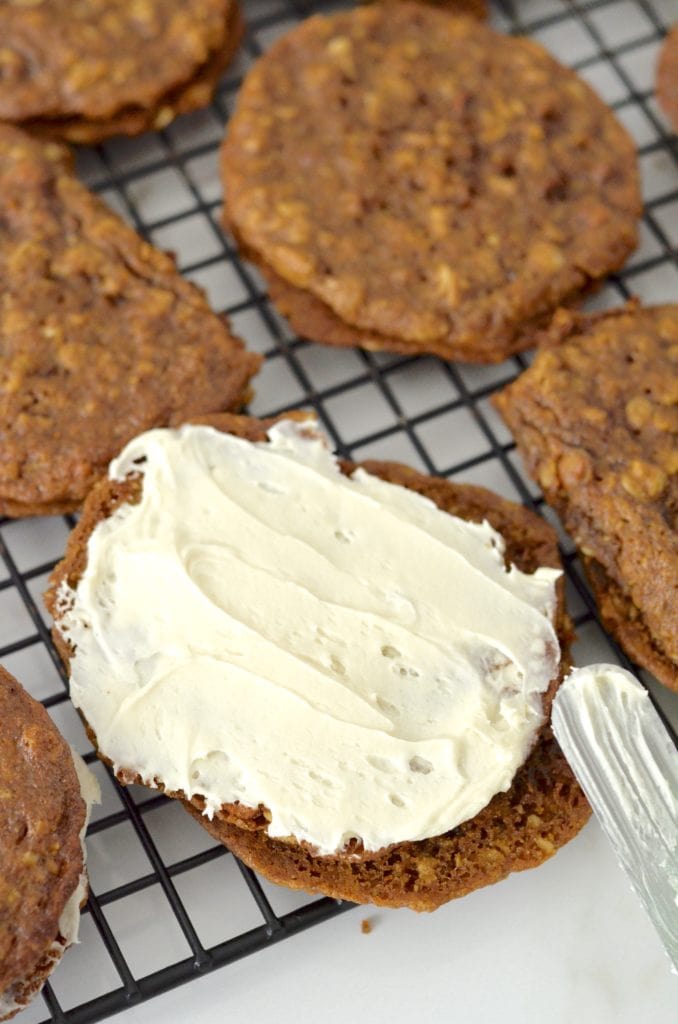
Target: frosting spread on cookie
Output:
{"points": [[69, 921], [262, 628]]}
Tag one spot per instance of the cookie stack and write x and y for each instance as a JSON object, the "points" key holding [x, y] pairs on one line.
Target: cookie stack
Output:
{"points": [[596, 420], [464, 184], [46, 793], [85, 71]]}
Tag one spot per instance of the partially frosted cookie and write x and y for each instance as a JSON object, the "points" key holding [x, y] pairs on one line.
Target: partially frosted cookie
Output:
{"points": [[345, 672], [413, 181], [100, 336], [46, 793], [88, 70]]}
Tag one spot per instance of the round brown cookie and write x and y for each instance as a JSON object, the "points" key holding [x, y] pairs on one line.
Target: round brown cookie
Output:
{"points": [[86, 71], [100, 337], [41, 816], [667, 77], [464, 183], [596, 420], [473, 8], [520, 829], [547, 806]]}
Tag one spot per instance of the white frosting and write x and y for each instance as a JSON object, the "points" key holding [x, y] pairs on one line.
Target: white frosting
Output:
{"points": [[16, 998], [261, 628], [69, 922]]}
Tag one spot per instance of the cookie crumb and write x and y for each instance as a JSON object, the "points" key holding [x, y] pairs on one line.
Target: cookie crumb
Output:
{"points": [[366, 926]]}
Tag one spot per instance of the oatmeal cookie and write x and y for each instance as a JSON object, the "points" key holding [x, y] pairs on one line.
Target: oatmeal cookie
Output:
{"points": [[596, 420], [100, 337], [464, 184], [42, 818], [473, 8], [667, 77], [88, 70]]}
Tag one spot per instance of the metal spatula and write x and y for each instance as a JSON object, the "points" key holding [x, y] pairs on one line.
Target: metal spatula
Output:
{"points": [[627, 764]]}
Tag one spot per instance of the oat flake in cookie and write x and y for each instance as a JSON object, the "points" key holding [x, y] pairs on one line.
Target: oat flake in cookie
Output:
{"points": [[413, 181], [83, 70], [596, 420], [100, 337], [325, 676], [45, 797]]}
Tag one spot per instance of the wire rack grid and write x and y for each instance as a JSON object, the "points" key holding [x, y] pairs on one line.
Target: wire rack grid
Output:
{"points": [[149, 922]]}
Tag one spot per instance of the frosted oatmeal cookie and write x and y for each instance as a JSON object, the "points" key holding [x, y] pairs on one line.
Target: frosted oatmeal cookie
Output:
{"points": [[372, 733]]}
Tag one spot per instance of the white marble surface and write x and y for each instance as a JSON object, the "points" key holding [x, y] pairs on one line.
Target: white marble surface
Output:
{"points": [[567, 942]]}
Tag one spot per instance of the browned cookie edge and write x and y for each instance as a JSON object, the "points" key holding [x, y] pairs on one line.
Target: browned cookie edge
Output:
{"points": [[23, 510], [520, 829], [313, 319], [621, 618], [188, 96]]}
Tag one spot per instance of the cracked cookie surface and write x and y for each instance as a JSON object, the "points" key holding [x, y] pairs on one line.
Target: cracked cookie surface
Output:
{"points": [[464, 183], [100, 337], [596, 420]]}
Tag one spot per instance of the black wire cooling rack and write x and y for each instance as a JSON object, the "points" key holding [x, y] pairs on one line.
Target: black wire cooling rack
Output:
{"points": [[431, 414]]}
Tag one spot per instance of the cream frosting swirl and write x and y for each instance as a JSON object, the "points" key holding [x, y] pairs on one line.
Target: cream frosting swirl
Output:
{"points": [[262, 628]]}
